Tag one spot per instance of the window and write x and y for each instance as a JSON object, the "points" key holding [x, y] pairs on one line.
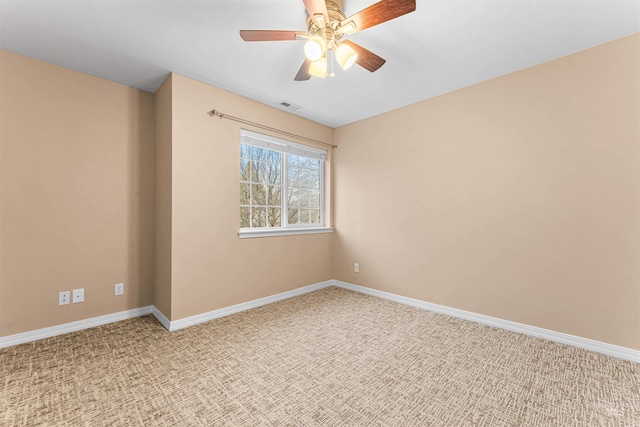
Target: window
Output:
{"points": [[281, 185]]}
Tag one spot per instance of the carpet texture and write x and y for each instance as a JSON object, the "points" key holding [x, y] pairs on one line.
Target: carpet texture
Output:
{"points": [[328, 358]]}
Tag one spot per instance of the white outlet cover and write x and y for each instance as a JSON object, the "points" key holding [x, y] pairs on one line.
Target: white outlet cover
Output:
{"points": [[64, 298], [119, 288], [78, 295]]}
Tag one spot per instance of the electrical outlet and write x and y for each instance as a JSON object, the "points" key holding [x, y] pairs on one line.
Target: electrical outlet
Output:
{"points": [[119, 289], [78, 295], [356, 267], [64, 297]]}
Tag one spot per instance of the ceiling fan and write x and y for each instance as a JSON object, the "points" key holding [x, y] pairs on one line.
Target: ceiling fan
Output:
{"points": [[326, 27]]}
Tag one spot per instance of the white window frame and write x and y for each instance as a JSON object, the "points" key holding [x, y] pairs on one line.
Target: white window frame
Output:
{"points": [[276, 144]]}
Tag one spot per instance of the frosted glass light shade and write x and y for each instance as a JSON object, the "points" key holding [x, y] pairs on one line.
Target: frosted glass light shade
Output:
{"points": [[319, 68], [346, 56], [314, 48]]}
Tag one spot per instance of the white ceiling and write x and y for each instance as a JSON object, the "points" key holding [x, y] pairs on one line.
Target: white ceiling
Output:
{"points": [[441, 47]]}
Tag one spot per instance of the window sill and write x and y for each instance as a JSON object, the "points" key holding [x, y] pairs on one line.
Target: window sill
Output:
{"points": [[249, 234]]}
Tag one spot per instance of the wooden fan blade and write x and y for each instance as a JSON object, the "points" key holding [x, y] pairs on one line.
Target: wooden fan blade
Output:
{"points": [[303, 72], [270, 35], [375, 14], [366, 59], [317, 8]]}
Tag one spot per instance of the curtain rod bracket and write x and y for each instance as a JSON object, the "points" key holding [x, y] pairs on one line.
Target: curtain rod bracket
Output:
{"points": [[214, 113]]}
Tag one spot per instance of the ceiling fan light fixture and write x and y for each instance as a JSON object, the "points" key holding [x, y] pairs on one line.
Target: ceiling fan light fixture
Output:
{"points": [[314, 48], [326, 25], [319, 68], [346, 56]]}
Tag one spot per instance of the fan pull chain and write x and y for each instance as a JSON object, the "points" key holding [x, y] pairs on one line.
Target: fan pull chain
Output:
{"points": [[333, 58]]}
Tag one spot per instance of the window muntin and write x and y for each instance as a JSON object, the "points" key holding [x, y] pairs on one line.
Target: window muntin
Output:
{"points": [[281, 183]]}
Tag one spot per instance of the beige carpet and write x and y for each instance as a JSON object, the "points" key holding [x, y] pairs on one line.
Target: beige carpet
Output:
{"points": [[329, 358]]}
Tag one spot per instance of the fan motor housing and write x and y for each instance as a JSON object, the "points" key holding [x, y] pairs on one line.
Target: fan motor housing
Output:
{"points": [[336, 16]]}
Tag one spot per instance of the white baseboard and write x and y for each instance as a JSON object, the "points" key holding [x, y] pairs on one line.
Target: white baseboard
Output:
{"points": [[52, 331], [65, 328], [559, 337], [585, 343], [215, 314]]}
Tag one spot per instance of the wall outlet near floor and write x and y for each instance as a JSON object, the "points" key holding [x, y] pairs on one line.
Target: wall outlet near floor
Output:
{"points": [[64, 298], [356, 267], [119, 289], [78, 295]]}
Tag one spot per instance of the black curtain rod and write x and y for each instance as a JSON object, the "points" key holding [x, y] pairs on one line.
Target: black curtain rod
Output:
{"points": [[217, 113]]}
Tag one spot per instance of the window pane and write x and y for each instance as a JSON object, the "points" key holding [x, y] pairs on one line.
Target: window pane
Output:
{"points": [[250, 173], [292, 160], [245, 151], [293, 216], [293, 197], [304, 198], [258, 153], [314, 164], [275, 195], [292, 176], [304, 162], [245, 217], [314, 178], [244, 173], [314, 216], [261, 171], [304, 178], [314, 199], [273, 173], [245, 193], [258, 217], [304, 216], [258, 195], [274, 217], [273, 156]]}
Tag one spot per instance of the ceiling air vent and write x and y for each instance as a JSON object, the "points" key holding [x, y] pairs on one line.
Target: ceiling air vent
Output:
{"points": [[289, 105]]}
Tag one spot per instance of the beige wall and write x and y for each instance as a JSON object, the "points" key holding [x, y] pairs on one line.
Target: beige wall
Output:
{"points": [[77, 179], [211, 267], [517, 198]]}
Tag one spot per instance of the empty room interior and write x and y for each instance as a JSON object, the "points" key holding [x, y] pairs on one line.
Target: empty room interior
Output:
{"points": [[310, 213]]}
